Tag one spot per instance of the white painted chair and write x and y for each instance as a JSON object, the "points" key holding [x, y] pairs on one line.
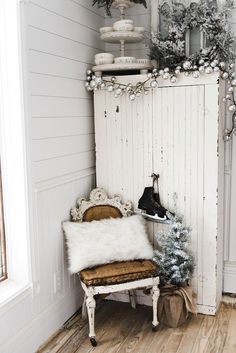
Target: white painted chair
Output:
{"points": [[119, 276]]}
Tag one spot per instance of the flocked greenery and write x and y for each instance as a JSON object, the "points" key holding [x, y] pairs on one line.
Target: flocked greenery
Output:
{"points": [[169, 48], [107, 4], [174, 257]]}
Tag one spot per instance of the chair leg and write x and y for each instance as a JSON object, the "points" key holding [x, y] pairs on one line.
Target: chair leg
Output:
{"points": [[132, 298], [84, 309], [91, 305], [155, 296]]}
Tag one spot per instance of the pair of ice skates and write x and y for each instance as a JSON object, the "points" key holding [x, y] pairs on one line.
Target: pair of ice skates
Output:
{"points": [[150, 204]]}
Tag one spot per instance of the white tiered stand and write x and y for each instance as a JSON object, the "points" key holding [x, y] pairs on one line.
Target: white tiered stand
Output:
{"points": [[122, 37]]}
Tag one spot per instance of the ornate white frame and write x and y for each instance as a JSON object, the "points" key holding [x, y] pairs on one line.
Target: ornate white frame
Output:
{"points": [[99, 197]]}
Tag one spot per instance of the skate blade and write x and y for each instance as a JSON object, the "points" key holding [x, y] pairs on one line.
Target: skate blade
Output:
{"points": [[155, 217]]}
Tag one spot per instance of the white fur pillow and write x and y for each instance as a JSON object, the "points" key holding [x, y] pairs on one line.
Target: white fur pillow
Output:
{"points": [[108, 240]]}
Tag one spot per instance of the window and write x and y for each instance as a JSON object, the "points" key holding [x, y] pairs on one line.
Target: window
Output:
{"points": [[3, 270]]}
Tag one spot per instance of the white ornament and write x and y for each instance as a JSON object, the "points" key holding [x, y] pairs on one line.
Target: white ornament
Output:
{"points": [[216, 69], [230, 89], [161, 72], [196, 74], [118, 91], [132, 97], [231, 66], [103, 85], [149, 75], [187, 65], [89, 72], [225, 75], [153, 84], [208, 70], [213, 64], [92, 83], [173, 79], [232, 108], [166, 75], [207, 64], [233, 83], [98, 80], [186, 73], [228, 96], [177, 71], [113, 79], [224, 99], [166, 69], [86, 84], [201, 69], [201, 62], [178, 67], [110, 88], [222, 64]]}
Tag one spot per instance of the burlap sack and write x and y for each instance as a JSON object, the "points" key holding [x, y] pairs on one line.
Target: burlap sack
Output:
{"points": [[174, 305]]}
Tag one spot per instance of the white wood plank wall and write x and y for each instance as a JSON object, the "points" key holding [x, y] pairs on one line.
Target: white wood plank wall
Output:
{"points": [[174, 132], [60, 39]]}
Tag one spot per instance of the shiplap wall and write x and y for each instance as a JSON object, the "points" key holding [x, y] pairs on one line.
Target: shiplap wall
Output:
{"points": [[60, 39]]}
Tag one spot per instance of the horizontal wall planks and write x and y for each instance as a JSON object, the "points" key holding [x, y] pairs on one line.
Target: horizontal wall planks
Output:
{"points": [[65, 126], [59, 106], [53, 23], [61, 146], [43, 41], [47, 85], [56, 167], [50, 64]]}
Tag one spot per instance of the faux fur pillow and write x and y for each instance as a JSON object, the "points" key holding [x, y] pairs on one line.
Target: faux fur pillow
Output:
{"points": [[108, 240]]}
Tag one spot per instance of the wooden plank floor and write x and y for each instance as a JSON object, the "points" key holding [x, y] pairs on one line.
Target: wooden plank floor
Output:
{"points": [[121, 329]]}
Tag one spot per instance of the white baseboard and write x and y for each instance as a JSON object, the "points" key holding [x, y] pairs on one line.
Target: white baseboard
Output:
{"points": [[43, 326], [229, 277]]}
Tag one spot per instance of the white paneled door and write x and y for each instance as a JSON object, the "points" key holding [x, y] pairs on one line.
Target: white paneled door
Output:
{"points": [[175, 131]]}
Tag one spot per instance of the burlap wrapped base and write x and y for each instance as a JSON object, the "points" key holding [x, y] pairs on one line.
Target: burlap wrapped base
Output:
{"points": [[174, 305]]}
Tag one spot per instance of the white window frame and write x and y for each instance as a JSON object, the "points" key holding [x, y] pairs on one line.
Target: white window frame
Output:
{"points": [[13, 152]]}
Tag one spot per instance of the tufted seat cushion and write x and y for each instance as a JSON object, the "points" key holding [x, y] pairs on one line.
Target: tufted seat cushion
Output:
{"points": [[118, 272]]}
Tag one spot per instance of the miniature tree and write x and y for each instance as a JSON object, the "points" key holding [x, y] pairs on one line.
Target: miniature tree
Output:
{"points": [[174, 257]]}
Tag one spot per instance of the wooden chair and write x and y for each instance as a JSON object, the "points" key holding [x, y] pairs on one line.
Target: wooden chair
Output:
{"points": [[113, 277]]}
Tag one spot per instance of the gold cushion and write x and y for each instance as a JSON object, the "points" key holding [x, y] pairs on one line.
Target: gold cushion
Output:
{"points": [[118, 272]]}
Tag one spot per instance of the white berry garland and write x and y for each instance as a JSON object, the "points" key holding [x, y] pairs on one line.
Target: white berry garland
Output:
{"points": [[226, 72]]}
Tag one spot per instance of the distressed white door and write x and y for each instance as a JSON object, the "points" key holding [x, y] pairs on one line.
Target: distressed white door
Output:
{"points": [[174, 131]]}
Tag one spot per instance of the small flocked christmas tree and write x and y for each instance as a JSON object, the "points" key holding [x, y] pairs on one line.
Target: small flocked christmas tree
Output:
{"points": [[174, 257]]}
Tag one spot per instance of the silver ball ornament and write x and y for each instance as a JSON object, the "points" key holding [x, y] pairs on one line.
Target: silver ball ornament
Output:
{"points": [[232, 108], [225, 75], [113, 79], [132, 97], [224, 99], [166, 69], [222, 64], [230, 89], [110, 88], [173, 79], [233, 83], [196, 74], [166, 75], [149, 75], [216, 69], [177, 71], [208, 70], [92, 83], [161, 72], [187, 65], [201, 62], [201, 69], [228, 96], [153, 84], [89, 72], [88, 78]]}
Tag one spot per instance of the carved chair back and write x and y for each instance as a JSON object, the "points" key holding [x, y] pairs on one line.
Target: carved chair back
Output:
{"points": [[100, 206]]}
